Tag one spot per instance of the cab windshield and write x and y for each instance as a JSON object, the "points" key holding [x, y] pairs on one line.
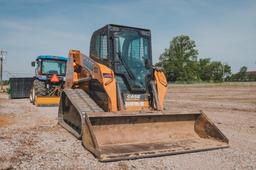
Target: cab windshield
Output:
{"points": [[132, 50], [54, 67]]}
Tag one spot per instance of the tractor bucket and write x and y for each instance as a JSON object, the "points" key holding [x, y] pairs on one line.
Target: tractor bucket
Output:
{"points": [[129, 135], [47, 101]]}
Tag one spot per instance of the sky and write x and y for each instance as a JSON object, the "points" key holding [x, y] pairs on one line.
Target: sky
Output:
{"points": [[224, 30]]}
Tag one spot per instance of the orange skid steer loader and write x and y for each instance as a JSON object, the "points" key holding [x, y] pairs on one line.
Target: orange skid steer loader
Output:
{"points": [[114, 101]]}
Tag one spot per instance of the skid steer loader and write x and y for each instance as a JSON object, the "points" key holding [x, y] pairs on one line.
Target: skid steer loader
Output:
{"points": [[114, 101]]}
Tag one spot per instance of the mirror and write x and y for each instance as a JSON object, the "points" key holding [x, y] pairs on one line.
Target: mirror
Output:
{"points": [[33, 63]]}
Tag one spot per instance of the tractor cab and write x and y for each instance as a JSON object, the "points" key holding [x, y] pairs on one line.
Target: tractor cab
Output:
{"points": [[52, 68]]}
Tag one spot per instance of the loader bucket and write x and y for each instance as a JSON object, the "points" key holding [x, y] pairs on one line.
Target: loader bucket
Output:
{"points": [[128, 135], [135, 135]]}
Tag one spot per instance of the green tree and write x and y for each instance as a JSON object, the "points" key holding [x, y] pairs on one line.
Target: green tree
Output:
{"points": [[227, 71], [205, 72], [216, 71], [180, 59], [242, 76]]}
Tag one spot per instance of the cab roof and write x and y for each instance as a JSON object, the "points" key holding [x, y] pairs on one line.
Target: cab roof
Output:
{"points": [[124, 26], [52, 57], [118, 27]]}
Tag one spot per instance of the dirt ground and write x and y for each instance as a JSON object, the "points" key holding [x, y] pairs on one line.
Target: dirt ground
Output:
{"points": [[30, 137]]}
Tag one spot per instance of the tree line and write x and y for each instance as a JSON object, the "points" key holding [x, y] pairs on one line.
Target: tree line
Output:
{"points": [[181, 64]]}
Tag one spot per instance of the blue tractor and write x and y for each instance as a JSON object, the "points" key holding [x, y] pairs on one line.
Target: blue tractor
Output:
{"points": [[49, 79]]}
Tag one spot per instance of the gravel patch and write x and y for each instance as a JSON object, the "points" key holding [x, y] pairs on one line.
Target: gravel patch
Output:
{"points": [[30, 137]]}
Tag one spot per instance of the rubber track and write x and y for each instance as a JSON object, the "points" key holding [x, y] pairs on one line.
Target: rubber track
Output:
{"points": [[82, 101]]}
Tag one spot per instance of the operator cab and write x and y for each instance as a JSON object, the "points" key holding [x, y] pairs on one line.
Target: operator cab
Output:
{"points": [[126, 50]]}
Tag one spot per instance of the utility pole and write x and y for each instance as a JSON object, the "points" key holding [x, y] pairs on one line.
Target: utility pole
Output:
{"points": [[2, 55]]}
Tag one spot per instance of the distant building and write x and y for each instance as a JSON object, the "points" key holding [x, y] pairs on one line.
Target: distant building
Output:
{"points": [[244, 76], [251, 73]]}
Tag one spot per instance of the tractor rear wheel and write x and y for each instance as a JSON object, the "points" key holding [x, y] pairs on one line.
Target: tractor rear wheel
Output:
{"points": [[39, 87]]}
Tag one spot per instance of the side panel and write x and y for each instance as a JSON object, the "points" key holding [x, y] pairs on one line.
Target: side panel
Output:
{"points": [[107, 78], [161, 86]]}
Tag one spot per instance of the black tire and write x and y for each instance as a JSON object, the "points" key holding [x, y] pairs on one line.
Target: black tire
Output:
{"points": [[40, 89]]}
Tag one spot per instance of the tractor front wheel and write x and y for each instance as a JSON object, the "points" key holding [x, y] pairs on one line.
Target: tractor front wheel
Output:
{"points": [[32, 95]]}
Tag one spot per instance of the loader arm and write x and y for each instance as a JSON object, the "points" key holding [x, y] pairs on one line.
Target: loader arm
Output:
{"points": [[89, 70]]}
